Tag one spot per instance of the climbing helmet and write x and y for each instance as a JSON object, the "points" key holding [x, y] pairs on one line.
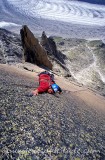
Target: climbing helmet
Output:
{"points": [[55, 87]]}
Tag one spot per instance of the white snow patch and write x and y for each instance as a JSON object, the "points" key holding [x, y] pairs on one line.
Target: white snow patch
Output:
{"points": [[60, 10], [5, 24]]}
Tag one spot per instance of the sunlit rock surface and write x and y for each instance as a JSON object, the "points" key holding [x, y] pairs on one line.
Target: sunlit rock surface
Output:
{"points": [[47, 126]]}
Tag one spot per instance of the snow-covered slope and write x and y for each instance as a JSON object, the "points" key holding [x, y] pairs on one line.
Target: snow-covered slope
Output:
{"points": [[62, 16]]}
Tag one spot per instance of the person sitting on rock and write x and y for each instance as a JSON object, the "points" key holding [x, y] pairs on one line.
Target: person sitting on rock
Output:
{"points": [[46, 84]]}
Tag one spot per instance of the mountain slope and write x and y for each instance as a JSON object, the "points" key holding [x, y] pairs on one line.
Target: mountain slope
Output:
{"points": [[47, 126]]}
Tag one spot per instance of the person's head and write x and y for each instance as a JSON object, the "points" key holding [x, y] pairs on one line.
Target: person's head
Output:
{"points": [[55, 88]]}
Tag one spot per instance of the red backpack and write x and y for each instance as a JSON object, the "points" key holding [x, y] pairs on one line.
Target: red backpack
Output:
{"points": [[50, 74]]}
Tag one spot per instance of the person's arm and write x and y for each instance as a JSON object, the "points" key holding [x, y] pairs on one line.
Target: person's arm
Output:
{"points": [[40, 89], [35, 92], [43, 84], [60, 90]]}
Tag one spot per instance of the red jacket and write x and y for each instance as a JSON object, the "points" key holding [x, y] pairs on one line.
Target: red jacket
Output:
{"points": [[45, 83]]}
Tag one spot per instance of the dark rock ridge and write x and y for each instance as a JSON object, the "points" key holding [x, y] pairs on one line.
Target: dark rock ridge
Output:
{"points": [[10, 47], [54, 54], [33, 52], [42, 53], [101, 2]]}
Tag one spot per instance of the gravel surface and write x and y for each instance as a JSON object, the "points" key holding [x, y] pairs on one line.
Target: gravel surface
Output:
{"points": [[47, 127]]}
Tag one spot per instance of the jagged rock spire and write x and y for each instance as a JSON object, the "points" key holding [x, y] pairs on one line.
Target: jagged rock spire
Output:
{"points": [[43, 39], [33, 51]]}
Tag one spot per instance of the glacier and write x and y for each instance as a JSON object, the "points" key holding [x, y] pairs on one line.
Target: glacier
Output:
{"points": [[63, 17]]}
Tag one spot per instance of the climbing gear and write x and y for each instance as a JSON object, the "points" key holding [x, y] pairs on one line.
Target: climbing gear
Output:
{"points": [[48, 73]]}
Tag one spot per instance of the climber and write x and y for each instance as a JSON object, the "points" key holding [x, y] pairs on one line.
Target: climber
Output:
{"points": [[46, 84]]}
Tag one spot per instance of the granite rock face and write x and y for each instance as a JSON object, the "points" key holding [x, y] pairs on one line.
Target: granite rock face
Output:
{"points": [[57, 57], [47, 127], [10, 47], [33, 51]]}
